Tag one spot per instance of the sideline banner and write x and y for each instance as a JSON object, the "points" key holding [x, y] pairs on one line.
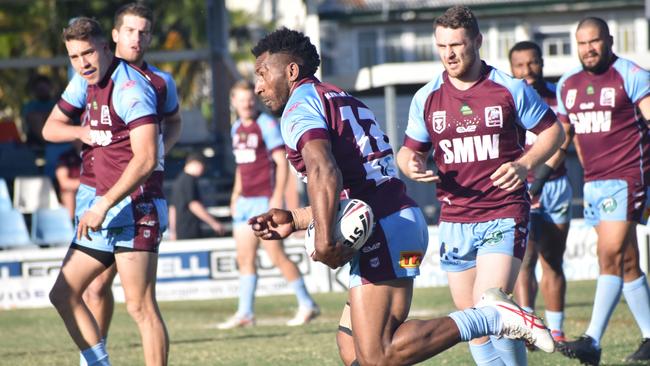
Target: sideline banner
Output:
{"points": [[207, 269]]}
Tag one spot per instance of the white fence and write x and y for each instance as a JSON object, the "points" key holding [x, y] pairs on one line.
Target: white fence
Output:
{"points": [[206, 269]]}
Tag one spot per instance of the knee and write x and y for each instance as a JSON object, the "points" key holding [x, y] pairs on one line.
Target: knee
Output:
{"points": [[138, 310], [61, 295], [97, 292]]}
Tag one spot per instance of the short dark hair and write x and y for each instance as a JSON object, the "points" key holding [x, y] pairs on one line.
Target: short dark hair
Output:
{"points": [[82, 29], [292, 43], [137, 9], [458, 16], [595, 22], [524, 46]]}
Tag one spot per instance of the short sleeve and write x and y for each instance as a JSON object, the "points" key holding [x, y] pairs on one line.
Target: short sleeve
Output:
{"points": [[531, 108], [134, 99], [303, 119], [171, 101], [270, 132], [635, 79]]}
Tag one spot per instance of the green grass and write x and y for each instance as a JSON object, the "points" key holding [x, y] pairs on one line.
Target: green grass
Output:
{"points": [[37, 337]]}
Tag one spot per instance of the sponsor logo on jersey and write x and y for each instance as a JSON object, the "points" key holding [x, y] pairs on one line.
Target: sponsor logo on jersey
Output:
{"points": [[128, 84], [493, 116], [470, 148], [106, 116], [571, 98], [439, 121], [410, 259], [607, 97], [466, 129], [591, 121], [94, 104], [493, 238], [292, 108], [144, 207], [589, 105], [100, 137], [465, 110], [590, 90], [369, 248], [609, 205], [374, 262]]}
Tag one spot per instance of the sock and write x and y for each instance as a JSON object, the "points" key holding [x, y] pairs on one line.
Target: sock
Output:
{"points": [[82, 360], [473, 323], [555, 319], [637, 296], [96, 355], [485, 354], [608, 292], [511, 351], [247, 286], [304, 300], [528, 309]]}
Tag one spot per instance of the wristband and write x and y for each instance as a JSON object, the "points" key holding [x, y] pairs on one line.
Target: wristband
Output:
{"points": [[301, 218]]}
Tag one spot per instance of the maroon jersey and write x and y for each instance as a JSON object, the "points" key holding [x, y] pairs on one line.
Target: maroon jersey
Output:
{"points": [[253, 146], [613, 138], [361, 150], [473, 132]]}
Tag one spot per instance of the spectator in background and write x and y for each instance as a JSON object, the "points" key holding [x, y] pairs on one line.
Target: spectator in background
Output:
{"points": [[35, 113], [186, 210], [68, 173]]}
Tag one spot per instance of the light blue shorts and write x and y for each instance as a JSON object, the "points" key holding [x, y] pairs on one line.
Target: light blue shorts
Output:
{"points": [[555, 201], [461, 243], [394, 250], [613, 200], [247, 207], [83, 199]]}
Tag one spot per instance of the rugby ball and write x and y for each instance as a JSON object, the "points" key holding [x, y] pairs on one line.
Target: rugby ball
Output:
{"points": [[353, 226]]}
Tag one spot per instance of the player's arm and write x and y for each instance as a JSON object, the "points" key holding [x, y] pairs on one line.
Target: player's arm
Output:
{"points": [[544, 171], [281, 174], [65, 182], [512, 175], [323, 189], [171, 128], [172, 222], [197, 208], [144, 146], [59, 128], [236, 192], [414, 165], [644, 108]]}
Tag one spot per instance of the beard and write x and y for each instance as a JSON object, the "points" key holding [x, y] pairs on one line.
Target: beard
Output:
{"points": [[465, 65], [600, 66]]}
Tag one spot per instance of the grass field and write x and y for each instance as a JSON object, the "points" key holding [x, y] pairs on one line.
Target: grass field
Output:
{"points": [[37, 337]]}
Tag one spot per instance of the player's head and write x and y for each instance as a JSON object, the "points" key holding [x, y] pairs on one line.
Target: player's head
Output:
{"points": [[594, 44], [41, 87], [458, 40], [242, 99], [132, 32], [526, 62], [284, 57], [87, 48], [194, 164]]}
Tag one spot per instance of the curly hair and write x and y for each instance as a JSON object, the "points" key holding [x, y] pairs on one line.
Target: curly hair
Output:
{"points": [[456, 17], [292, 43], [82, 29]]}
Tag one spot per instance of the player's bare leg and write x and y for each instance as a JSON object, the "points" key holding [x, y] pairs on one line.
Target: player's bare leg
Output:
{"points": [[275, 250], [137, 271], [77, 272], [344, 339], [631, 265], [99, 299], [381, 335], [526, 286], [553, 282]]}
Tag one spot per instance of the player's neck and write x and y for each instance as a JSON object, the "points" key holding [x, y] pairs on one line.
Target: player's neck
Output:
{"points": [[137, 63], [468, 79]]}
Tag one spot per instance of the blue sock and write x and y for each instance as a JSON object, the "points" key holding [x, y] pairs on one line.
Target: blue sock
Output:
{"points": [[473, 323], [528, 309], [555, 319], [608, 292], [304, 300], [247, 286], [82, 360], [511, 351], [637, 296], [96, 355], [485, 354]]}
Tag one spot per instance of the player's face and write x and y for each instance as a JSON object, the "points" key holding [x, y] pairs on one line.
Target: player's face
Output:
{"points": [[594, 48], [272, 83], [527, 65], [243, 101], [89, 58], [458, 51], [132, 39]]}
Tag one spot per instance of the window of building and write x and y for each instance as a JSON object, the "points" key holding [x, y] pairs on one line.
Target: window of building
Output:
{"points": [[424, 45], [393, 46], [625, 41], [367, 48], [554, 44], [506, 40]]}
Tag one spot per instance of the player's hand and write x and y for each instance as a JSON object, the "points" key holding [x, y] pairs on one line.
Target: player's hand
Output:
{"points": [[418, 172], [92, 219], [84, 135], [509, 176], [273, 225], [217, 228], [333, 256]]}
